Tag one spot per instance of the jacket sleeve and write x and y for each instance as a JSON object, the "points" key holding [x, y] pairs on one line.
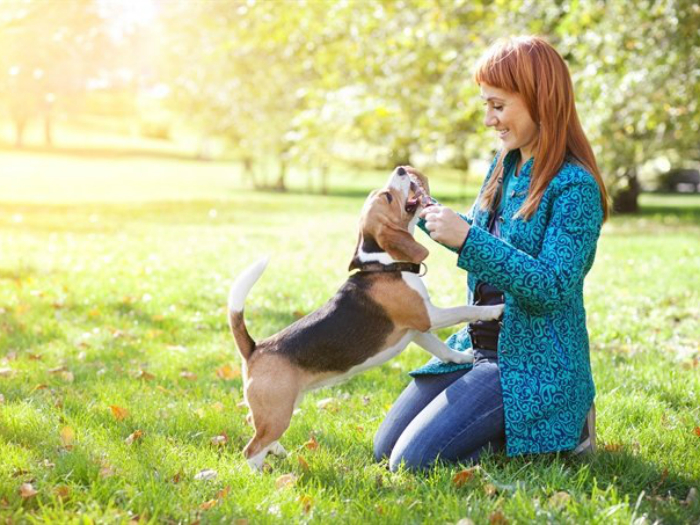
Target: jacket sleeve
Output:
{"points": [[545, 282]]}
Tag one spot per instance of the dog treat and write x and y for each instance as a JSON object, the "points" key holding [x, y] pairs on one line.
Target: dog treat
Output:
{"points": [[420, 196]]}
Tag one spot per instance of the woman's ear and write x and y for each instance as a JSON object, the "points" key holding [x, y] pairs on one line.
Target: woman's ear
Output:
{"points": [[400, 244]]}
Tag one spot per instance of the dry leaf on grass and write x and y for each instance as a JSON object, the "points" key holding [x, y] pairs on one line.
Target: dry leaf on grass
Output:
{"points": [[26, 490], [118, 412], [57, 370], [134, 436], [62, 491], [220, 440], [67, 435], [302, 463], [208, 504], [227, 373], [190, 376], [146, 376], [306, 503], [559, 499], [206, 475], [285, 480], [463, 476], [696, 431], [311, 444], [323, 403], [497, 518]]}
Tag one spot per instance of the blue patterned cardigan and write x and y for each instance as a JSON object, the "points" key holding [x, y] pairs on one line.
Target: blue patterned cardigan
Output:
{"points": [[540, 264]]}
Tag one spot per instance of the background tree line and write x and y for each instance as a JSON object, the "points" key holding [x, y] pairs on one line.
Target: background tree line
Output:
{"points": [[365, 81]]}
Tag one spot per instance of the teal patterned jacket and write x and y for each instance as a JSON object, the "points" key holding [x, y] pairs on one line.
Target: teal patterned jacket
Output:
{"points": [[540, 264]]}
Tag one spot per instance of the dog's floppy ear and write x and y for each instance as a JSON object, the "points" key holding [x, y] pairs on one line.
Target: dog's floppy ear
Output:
{"points": [[400, 244]]}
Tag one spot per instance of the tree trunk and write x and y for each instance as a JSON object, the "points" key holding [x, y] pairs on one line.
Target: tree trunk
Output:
{"points": [[626, 200], [280, 185], [20, 125], [48, 130], [324, 179]]}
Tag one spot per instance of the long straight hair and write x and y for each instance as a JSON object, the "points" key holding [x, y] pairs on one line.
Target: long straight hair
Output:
{"points": [[532, 68]]}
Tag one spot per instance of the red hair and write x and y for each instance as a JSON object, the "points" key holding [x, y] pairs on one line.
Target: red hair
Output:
{"points": [[532, 68]]}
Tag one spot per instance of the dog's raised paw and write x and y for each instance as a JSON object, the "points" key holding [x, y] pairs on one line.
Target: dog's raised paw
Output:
{"points": [[460, 358]]}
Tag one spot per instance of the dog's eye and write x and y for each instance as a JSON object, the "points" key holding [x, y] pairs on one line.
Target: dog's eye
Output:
{"points": [[389, 197]]}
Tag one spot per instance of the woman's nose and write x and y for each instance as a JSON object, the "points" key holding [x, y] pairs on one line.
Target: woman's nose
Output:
{"points": [[490, 120]]}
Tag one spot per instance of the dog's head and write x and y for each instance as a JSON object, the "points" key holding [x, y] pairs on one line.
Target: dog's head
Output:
{"points": [[388, 219]]}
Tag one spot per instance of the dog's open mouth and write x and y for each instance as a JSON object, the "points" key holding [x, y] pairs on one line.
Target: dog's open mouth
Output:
{"points": [[417, 196]]}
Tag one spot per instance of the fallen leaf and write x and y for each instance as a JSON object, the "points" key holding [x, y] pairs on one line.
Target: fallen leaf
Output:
{"points": [[306, 503], [118, 412], [57, 370], [285, 480], [39, 387], [323, 403], [134, 436], [613, 447], [311, 444], [62, 491], [223, 492], [490, 489], [35, 357], [302, 463], [106, 471], [497, 518], [462, 477], [559, 499], [696, 430], [227, 373], [220, 440], [208, 504], [47, 464], [67, 435], [68, 376], [190, 376], [177, 477], [146, 376], [206, 475], [27, 491]]}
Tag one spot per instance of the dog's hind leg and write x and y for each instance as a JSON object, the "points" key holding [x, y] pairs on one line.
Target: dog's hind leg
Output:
{"points": [[272, 405]]}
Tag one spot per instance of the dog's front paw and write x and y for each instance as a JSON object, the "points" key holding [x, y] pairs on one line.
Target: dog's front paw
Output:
{"points": [[460, 358], [491, 313]]}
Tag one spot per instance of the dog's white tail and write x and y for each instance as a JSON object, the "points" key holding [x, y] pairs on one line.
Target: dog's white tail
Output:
{"points": [[236, 300]]}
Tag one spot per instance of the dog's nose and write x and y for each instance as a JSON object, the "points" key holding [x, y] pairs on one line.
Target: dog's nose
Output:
{"points": [[401, 171]]}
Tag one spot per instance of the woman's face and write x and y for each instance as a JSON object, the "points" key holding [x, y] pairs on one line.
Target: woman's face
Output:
{"points": [[506, 112]]}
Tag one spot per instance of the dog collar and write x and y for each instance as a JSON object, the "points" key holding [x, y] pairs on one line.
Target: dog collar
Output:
{"points": [[377, 267]]}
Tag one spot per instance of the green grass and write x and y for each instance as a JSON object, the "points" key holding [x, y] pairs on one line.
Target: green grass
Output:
{"points": [[113, 266]]}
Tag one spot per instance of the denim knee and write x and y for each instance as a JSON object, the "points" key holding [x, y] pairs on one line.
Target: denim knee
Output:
{"points": [[381, 446], [413, 459]]}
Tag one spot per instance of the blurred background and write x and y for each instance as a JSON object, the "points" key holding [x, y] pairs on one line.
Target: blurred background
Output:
{"points": [[299, 94]]}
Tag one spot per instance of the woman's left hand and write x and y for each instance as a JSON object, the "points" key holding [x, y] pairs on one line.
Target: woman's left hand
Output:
{"points": [[445, 226]]}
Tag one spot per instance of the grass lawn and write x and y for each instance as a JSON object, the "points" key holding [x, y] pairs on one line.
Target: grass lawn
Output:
{"points": [[120, 384]]}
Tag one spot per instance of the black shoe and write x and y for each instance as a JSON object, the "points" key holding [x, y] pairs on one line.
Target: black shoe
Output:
{"points": [[586, 443]]}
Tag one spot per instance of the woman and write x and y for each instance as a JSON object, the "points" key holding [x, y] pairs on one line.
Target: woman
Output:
{"points": [[528, 241]]}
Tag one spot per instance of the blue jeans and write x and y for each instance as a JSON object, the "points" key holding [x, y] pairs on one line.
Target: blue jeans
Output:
{"points": [[448, 417]]}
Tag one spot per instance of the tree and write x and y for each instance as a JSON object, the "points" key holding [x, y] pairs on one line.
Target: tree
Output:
{"points": [[49, 51]]}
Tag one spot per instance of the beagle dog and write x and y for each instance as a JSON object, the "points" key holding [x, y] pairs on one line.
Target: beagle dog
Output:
{"points": [[374, 315]]}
